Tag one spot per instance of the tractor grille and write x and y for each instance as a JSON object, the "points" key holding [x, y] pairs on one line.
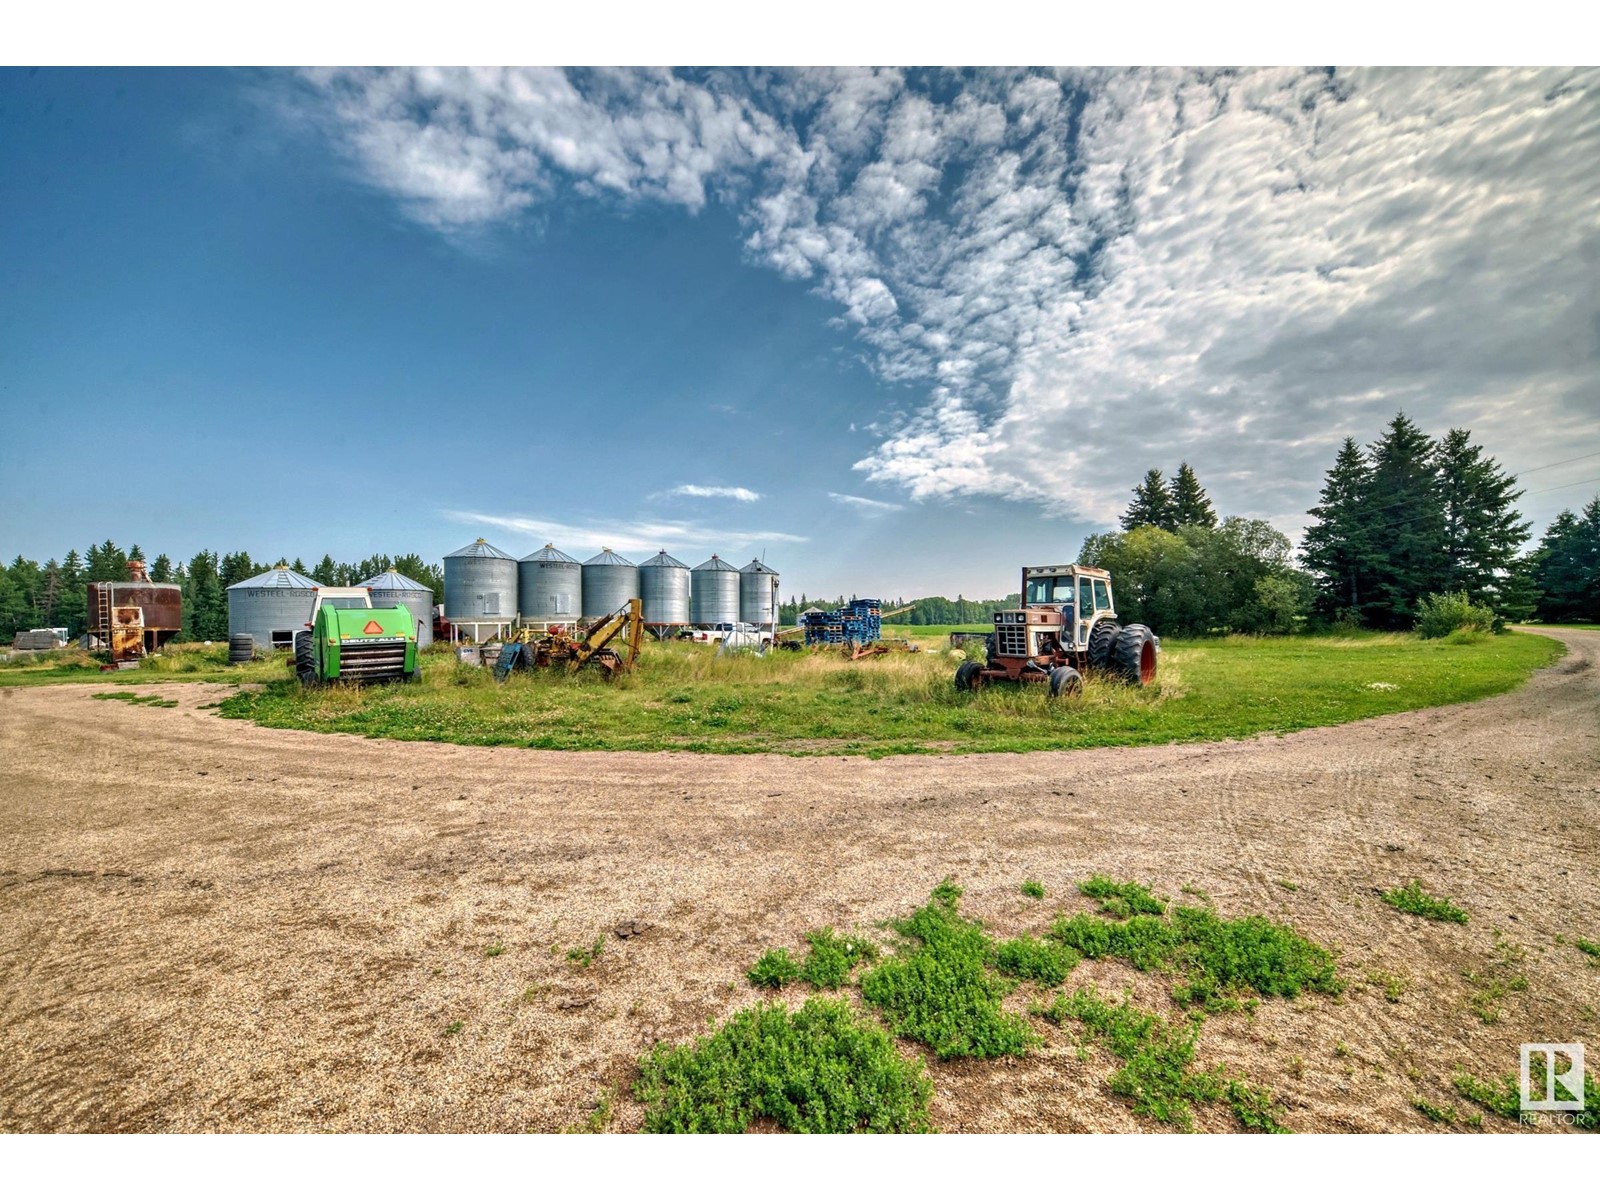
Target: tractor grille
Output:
{"points": [[1011, 640], [372, 660]]}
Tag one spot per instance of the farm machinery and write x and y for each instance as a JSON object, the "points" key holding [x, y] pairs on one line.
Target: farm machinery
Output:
{"points": [[347, 640], [610, 645], [1067, 625]]}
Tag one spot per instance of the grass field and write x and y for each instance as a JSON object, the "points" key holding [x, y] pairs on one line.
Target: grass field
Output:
{"points": [[687, 698]]}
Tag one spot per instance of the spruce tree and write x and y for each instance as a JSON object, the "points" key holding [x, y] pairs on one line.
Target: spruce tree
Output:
{"points": [[1482, 528], [1152, 504], [161, 569], [1336, 548], [1190, 504], [1404, 525], [327, 572]]}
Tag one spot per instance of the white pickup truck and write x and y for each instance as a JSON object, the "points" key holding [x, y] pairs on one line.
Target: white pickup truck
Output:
{"points": [[731, 633]]}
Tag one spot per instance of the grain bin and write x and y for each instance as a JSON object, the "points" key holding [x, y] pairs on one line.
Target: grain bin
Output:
{"points": [[272, 607], [390, 589], [758, 593], [480, 589], [714, 593], [549, 587], [664, 591], [609, 582]]}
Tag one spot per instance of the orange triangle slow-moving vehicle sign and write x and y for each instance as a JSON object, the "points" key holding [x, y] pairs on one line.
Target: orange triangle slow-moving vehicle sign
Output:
{"points": [[373, 627]]}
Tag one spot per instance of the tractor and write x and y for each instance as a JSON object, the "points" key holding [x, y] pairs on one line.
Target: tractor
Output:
{"points": [[349, 640], [1066, 625]]}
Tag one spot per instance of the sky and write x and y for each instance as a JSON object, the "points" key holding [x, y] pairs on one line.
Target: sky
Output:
{"points": [[897, 332]]}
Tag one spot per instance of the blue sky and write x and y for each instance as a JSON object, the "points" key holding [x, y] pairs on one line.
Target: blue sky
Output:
{"points": [[901, 332]]}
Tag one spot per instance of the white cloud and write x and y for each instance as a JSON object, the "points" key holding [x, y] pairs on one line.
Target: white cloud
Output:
{"points": [[1102, 271], [636, 536], [862, 503], [742, 494]]}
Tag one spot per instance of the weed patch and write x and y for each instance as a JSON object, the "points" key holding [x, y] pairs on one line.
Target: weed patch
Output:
{"points": [[938, 988], [1044, 962], [822, 1070], [1412, 899], [1502, 1097], [1499, 979], [1122, 899], [1218, 959], [773, 969], [1445, 1115], [831, 958], [599, 1116], [584, 956], [1034, 890], [1589, 948]]}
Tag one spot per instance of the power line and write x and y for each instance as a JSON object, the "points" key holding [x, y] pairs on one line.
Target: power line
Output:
{"points": [[1560, 486], [1562, 463]]}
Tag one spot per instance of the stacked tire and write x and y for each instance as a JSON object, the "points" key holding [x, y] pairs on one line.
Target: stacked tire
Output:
{"points": [[241, 648]]}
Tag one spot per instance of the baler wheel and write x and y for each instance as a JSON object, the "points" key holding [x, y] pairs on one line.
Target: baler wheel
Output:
{"points": [[305, 663], [1133, 656]]}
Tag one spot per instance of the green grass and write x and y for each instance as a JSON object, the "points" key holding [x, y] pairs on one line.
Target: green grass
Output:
{"points": [[1412, 899], [1219, 960], [1157, 1071], [189, 662], [1032, 889], [939, 989], [683, 697], [1588, 947], [1122, 899], [823, 1069]]}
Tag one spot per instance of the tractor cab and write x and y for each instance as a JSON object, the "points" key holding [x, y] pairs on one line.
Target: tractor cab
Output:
{"points": [[1079, 596]]}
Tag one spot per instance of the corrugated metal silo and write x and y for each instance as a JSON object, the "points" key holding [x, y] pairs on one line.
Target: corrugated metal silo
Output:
{"points": [[392, 589], [549, 587], [272, 607], [664, 590], [758, 593], [480, 586], [714, 592], [609, 582]]}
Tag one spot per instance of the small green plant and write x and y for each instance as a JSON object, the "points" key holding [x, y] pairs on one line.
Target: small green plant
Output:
{"points": [[1122, 899], [1412, 899], [1498, 979], [1502, 1097], [773, 969], [1190, 889], [1445, 1115], [1044, 962], [1218, 959], [1588, 947], [493, 950], [599, 1115], [1288, 885], [1255, 1108], [584, 956], [1394, 986], [823, 1069], [831, 958], [454, 1028], [1032, 889], [1440, 614], [938, 988]]}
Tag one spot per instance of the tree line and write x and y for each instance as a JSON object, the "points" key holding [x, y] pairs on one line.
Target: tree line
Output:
{"points": [[55, 594], [928, 610]]}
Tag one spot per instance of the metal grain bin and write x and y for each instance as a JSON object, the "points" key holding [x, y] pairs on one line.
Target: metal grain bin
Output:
{"points": [[394, 590], [609, 582], [758, 593], [714, 593], [549, 587], [480, 586], [272, 607], [664, 590]]}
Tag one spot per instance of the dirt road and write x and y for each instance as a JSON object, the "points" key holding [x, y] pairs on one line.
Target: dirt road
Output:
{"points": [[209, 926]]}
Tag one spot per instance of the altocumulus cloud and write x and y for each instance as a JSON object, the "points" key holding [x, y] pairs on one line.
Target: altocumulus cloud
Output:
{"points": [[1093, 272]]}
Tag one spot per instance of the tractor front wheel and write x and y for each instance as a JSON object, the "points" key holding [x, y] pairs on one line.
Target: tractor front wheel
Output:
{"points": [[969, 677], [1064, 681], [1101, 638], [305, 662], [1133, 656]]}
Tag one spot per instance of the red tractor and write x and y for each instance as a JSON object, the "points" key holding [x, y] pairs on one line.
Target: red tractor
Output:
{"points": [[1066, 625]]}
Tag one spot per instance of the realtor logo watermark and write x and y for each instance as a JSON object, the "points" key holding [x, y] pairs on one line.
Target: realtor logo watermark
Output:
{"points": [[1552, 1077]]}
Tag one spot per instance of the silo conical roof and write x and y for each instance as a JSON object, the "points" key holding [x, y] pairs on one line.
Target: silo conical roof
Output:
{"points": [[756, 567], [717, 564], [548, 553], [663, 560], [279, 577], [608, 558], [480, 549], [393, 581]]}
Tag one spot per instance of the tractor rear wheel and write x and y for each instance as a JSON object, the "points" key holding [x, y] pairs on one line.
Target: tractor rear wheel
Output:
{"points": [[305, 662], [1064, 681], [969, 677], [1101, 638], [1133, 656]]}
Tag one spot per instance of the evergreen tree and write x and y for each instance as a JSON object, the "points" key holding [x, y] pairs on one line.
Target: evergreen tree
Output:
{"points": [[413, 567], [1482, 528], [73, 608], [1190, 504], [136, 554], [236, 568], [1566, 567], [205, 603], [1405, 525], [107, 563], [327, 572], [161, 569], [1152, 504], [298, 566], [1336, 548]]}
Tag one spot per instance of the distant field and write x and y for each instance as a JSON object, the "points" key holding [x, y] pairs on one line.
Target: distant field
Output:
{"points": [[687, 698], [933, 632]]}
